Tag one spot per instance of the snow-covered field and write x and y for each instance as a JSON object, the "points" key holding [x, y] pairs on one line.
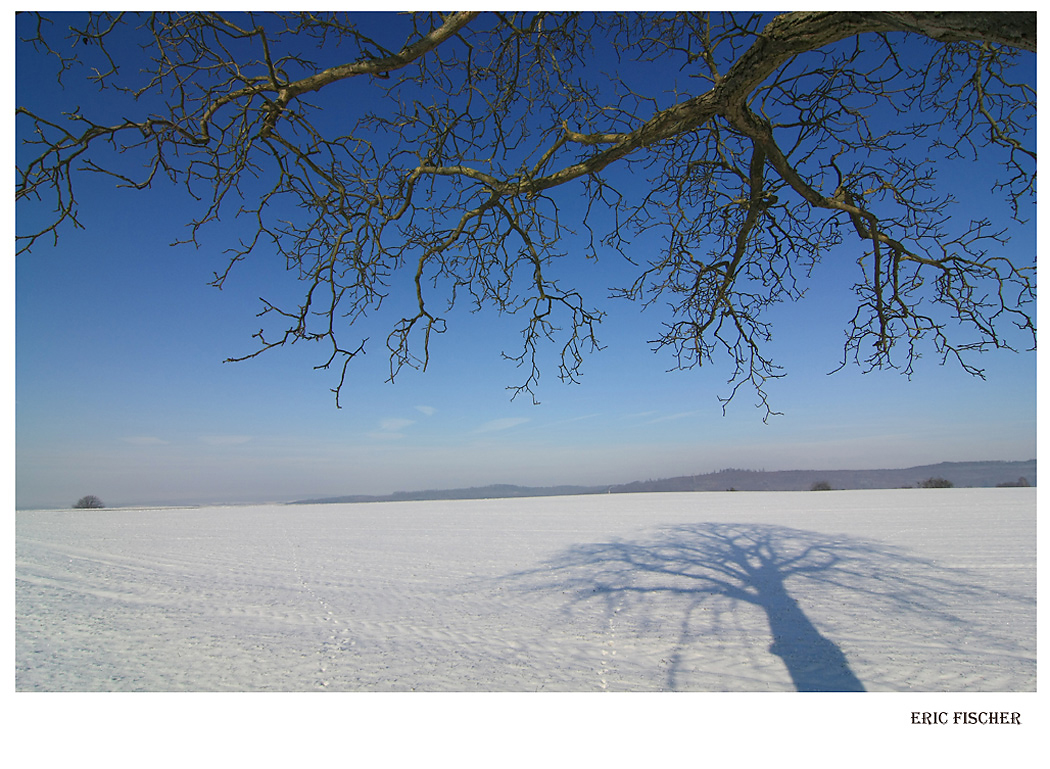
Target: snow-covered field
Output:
{"points": [[900, 590]]}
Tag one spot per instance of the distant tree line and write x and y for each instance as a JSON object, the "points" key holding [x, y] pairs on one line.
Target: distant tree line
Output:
{"points": [[1019, 483], [936, 483], [929, 483]]}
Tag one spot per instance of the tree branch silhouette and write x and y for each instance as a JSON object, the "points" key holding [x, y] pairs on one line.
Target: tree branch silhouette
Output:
{"points": [[433, 156]]}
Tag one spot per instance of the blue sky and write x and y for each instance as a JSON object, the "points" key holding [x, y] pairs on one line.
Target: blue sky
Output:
{"points": [[121, 390]]}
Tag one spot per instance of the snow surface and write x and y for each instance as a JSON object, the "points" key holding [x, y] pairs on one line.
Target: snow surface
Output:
{"points": [[897, 590]]}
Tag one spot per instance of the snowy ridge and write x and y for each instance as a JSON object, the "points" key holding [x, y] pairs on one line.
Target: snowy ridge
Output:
{"points": [[961, 474]]}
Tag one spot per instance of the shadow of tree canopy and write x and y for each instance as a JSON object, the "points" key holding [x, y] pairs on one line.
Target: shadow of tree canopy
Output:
{"points": [[678, 574]]}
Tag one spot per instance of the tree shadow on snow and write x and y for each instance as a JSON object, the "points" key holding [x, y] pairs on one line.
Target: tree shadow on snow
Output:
{"points": [[689, 566]]}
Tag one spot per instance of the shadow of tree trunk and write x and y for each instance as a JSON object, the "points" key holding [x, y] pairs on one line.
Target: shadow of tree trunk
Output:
{"points": [[814, 663], [756, 561], [767, 567]]}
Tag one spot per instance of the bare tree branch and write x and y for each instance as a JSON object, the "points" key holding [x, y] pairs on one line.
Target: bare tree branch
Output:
{"points": [[403, 165]]}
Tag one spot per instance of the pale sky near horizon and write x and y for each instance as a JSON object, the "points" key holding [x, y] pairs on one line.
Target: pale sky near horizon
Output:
{"points": [[121, 390]]}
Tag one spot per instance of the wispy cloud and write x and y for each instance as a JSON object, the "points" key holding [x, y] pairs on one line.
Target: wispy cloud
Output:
{"points": [[385, 435], [501, 424], [144, 440], [428, 410], [573, 419], [674, 417], [225, 440], [639, 415], [393, 425], [390, 429]]}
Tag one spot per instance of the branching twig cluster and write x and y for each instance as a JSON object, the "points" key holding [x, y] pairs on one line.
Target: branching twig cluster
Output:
{"points": [[426, 160]]}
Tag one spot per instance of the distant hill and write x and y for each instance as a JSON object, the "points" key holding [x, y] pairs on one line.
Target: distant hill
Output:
{"points": [[495, 491], [961, 474]]}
